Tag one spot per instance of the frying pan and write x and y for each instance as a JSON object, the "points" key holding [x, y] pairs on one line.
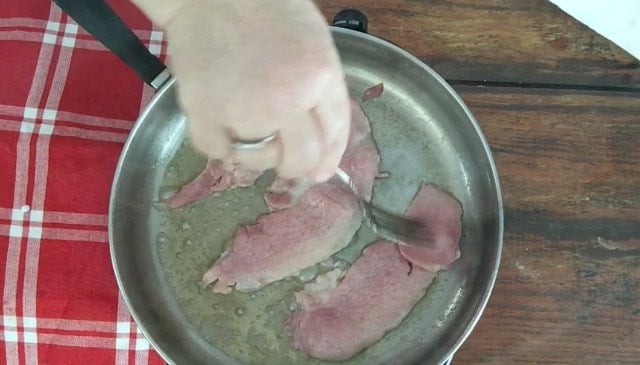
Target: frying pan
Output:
{"points": [[424, 133]]}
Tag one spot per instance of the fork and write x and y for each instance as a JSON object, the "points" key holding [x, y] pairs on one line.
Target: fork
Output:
{"points": [[397, 229]]}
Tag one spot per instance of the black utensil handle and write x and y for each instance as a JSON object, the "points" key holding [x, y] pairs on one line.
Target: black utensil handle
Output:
{"points": [[97, 18], [351, 19]]}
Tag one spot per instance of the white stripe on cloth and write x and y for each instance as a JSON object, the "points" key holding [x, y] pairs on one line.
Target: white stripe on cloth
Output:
{"points": [[10, 300], [62, 234], [27, 213], [11, 126], [73, 37], [55, 217], [142, 347], [95, 121], [91, 135], [82, 119], [76, 325], [71, 325], [30, 278], [76, 341], [76, 218], [123, 332], [155, 35], [75, 235], [84, 341]]}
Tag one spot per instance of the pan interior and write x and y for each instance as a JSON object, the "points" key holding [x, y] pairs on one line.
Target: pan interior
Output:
{"points": [[424, 136]]}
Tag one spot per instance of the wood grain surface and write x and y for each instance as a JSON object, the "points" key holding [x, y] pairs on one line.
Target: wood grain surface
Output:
{"points": [[508, 41], [568, 290], [560, 107]]}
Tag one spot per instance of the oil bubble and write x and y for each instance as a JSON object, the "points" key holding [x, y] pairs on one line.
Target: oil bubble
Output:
{"points": [[157, 204], [341, 264], [328, 263], [162, 238], [308, 274]]}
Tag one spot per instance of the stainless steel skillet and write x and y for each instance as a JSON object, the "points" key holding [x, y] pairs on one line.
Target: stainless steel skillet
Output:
{"points": [[425, 134]]}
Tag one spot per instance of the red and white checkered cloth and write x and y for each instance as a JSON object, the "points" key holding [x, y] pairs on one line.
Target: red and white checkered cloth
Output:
{"points": [[66, 107]]}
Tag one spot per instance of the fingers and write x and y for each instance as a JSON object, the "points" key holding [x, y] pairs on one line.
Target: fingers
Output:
{"points": [[332, 118], [211, 140], [301, 149]]}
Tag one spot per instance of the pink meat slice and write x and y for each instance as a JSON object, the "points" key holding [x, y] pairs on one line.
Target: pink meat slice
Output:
{"points": [[319, 221], [440, 214], [360, 127], [377, 292], [282, 243], [337, 320], [285, 193], [361, 164], [360, 161], [216, 176], [373, 92]]}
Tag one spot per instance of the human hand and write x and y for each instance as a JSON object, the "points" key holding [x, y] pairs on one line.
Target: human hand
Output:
{"points": [[247, 69]]}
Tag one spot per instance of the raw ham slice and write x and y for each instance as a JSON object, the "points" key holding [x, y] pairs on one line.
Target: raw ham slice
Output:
{"points": [[377, 292], [360, 127], [373, 92], [337, 320], [285, 193], [440, 214], [281, 244], [216, 176], [300, 232]]}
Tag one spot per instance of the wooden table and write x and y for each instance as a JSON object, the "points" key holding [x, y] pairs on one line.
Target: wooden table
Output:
{"points": [[560, 106]]}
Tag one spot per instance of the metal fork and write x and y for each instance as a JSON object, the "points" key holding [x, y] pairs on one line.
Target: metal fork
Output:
{"points": [[387, 225]]}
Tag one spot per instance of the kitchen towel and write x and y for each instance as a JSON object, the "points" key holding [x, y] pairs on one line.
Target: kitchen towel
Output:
{"points": [[66, 107]]}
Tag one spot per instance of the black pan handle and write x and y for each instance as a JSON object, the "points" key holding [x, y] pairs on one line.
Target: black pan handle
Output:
{"points": [[351, 19], [97, 18]]}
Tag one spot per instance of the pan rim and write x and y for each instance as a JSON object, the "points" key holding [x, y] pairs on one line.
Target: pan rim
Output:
{"points": [[479, 310], [112, 201], [488, 287]]}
